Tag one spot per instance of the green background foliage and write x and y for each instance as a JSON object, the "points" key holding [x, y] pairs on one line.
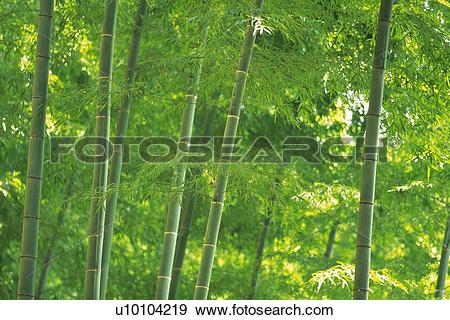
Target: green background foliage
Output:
{"points": [[310, 76]]}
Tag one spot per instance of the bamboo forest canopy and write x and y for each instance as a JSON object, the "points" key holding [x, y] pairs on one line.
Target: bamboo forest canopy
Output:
{"points": [[287, 230]]}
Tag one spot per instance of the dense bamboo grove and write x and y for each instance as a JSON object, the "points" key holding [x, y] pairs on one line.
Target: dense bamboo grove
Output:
{"points": [[334, 116]]}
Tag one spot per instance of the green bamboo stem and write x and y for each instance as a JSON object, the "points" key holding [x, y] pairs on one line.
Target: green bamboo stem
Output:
{"points": [[99, 181], [259, 255], [45, 268], [31, 216], [52, 247], [443, 263], [121, 131], [48, 257], [262, 238], [331, 240], [176, 192], [215, 213], [367, 196], [187, 216]]}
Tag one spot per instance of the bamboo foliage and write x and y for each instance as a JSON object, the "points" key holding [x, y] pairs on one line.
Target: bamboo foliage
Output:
{"points": [[187, 216], [176, 192], [443, 263], [367, 196], [121, 131], [215, 213], [97, 211], [31, 216]]}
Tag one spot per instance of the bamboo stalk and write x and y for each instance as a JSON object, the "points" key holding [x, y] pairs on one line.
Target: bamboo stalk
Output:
{"points": [[48, 257], [99, 181], [187, 216], [263, 236], [367, 196], [259, 254], [53, 243], [331, 239], [176, 193], [443, 263], [31, 216], [215, 213], [121, 131]]}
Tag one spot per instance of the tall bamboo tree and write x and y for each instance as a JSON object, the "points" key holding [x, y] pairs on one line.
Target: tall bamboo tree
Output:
{"points": [[187, 216], [97, 214], [121, 131], [367, 196], [443, 263], [176, 192], [215, 213], [31, 216], [331, 239]]}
